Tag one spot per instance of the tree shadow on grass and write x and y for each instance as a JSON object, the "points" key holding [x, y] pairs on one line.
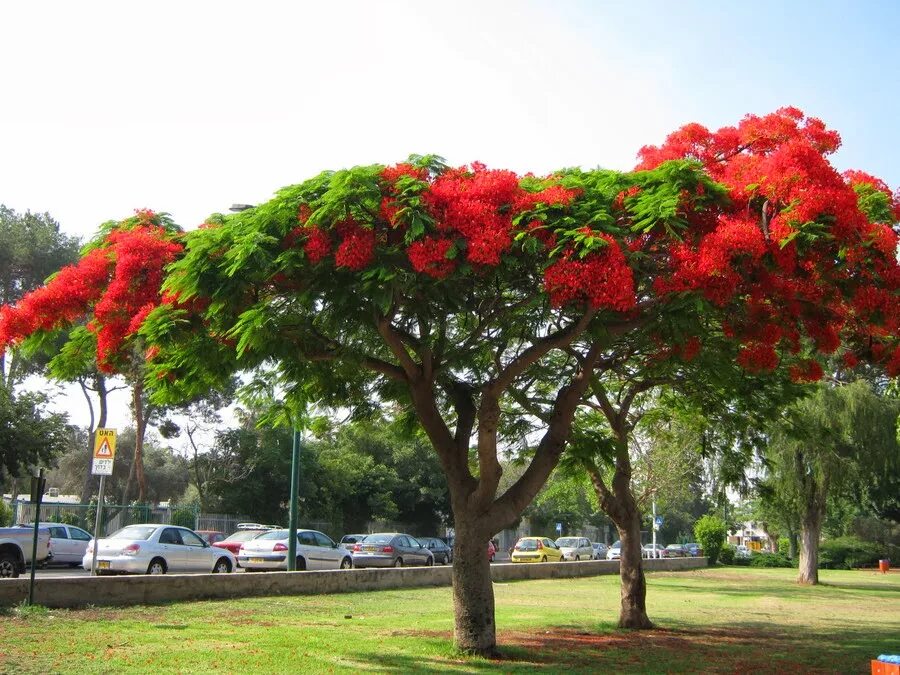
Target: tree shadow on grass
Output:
{"points": [[741, 647]]}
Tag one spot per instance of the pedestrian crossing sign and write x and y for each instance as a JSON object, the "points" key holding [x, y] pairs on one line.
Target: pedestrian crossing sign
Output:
{"points": [[104, 452]]}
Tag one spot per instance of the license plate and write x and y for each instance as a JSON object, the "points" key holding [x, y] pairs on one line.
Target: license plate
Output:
{"points": [[369, 548], [257, 560], [103, 564]]}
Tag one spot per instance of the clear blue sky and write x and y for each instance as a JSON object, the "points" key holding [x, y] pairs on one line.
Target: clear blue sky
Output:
{"points": [[187, 107]]}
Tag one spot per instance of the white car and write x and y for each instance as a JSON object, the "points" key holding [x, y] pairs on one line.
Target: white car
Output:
{"points": [[157, 549], [67, 543], [315, 551], [740, 551], [654, 551], [575, 548], [615, 551]]}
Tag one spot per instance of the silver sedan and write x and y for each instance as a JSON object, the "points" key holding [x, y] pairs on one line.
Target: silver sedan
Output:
{"points": [[157, 549], [390, 549], [315, 551]]}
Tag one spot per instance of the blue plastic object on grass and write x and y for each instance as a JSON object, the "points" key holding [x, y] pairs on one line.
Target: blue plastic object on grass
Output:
{"points": [[889, 658]]}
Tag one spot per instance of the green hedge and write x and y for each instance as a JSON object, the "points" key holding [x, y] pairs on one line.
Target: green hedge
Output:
{"points": [[769, 560], [852, 552]]}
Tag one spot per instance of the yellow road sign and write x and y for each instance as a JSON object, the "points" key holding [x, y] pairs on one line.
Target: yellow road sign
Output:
{"points": [[104, 452]]}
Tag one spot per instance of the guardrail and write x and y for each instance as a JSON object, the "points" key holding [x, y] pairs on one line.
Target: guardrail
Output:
{"points": [[122, 591]]}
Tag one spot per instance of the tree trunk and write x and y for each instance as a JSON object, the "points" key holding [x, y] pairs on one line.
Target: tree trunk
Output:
{"points": [[90, 481], [792, 545], [473, 593], [633, 610], [140, 424], [810, 529]]}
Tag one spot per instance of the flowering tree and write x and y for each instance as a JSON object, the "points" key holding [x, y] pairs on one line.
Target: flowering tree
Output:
{"points": [[480, 301], [799, 264], [102, 300]]}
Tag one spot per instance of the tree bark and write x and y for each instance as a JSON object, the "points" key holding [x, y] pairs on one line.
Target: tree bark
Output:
{"points": [[633, 610], [475, 631], [140, 424], [810, 530], [792, 544], [100, 387]]}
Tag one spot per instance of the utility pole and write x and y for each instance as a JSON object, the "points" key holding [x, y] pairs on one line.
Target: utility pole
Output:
{"points": [[295, 489]]}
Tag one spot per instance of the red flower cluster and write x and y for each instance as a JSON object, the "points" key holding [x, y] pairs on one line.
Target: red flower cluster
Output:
{"points": [[602, 279], [806, 371], [120, 280], [318, 245], [429, 255], [757, 357], [357, 249]]}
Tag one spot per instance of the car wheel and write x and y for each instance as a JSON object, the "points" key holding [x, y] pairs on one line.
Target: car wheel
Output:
{"points": [[9, 568], [223, 565], [577, 558], [544, 559], [74, 566], [347, 564], [301, 564], [429, 562], [398, 562], [449, 558], [157, 566], [491, 559]]}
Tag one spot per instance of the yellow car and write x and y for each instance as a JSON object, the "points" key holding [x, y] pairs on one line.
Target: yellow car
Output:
{"points": [[536, 549]]}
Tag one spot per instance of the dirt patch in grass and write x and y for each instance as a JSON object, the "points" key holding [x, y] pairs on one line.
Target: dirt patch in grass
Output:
{"points": [[708, 650]]}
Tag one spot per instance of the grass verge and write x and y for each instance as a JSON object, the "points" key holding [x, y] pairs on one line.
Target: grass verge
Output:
{"points": [[715, 620]]}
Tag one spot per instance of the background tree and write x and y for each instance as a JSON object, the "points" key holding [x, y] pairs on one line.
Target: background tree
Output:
{"points": [[31, 249], [102, 299], [820, 444], [29, 435]]}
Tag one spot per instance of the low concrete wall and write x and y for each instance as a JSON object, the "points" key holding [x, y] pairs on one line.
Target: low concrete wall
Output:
{"points": [[149, 590]]}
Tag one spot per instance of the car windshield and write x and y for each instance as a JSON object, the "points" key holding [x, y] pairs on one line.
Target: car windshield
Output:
{"points": [[674, 546], [352, 538], [567, 541], [243, 535], [527, 545], [274, 534], [378, 538], [134, 532], [618, 544]]}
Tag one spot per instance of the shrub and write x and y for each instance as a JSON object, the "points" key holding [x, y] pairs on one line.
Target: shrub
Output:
{"points": [[726, 555], [768, 560], [784, 546], [6, 514], [710, 532], [184, 517], [849, 553]]}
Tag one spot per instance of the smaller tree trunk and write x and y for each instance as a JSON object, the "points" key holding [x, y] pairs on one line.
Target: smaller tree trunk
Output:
{"points": [[633, 611], [473, 594], [792, 544], [810, 530], [140, 424]]}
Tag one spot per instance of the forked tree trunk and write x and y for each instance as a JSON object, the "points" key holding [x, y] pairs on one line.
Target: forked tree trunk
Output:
{"points": [[810, 530], [140, 424], [89, 480], [473, 594]]}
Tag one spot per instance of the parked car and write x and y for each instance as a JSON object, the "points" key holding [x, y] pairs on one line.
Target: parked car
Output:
{"points": [[156, 549], [654, 551], [693, 549], [315, 551], [211, 536], [439, 549], [15, 549], [741, 551], [575, 548], [67, 543], [536, 549], [348, 540], [233, 542], [600, 550], [676, 551], [615, 551], [491, 551], [390, 549]]}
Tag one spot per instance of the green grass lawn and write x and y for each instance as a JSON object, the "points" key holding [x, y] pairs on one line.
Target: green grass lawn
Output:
{"points": [[717, 620]]}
